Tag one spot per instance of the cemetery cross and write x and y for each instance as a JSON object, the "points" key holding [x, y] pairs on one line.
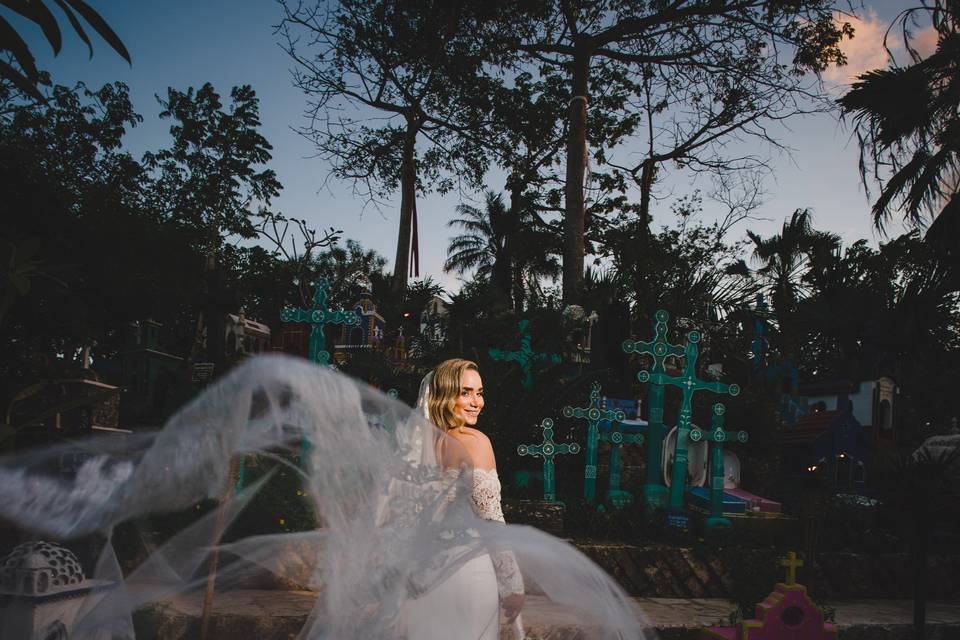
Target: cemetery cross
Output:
{"points": [[593, 413], [791, 563], [689, 384], [617, 438], [659, 348], [717, 436], [318, 316], [547, 450], [525, 356]]}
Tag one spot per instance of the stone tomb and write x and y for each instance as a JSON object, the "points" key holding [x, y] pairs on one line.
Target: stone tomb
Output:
{"points": [[42, 589]]}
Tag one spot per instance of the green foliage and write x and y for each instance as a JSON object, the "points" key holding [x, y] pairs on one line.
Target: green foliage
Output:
{"points": [[25, 76], [909, 130], [752, 578], [281, 505], [211, 178]]}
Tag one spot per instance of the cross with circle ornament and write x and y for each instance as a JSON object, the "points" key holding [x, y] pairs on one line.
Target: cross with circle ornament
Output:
{"points": [[548, 449]]}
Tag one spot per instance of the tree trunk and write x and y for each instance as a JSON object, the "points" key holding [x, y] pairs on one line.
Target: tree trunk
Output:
{"points": [[922, 531], [408, 195], [646, 187], [574, 214]]}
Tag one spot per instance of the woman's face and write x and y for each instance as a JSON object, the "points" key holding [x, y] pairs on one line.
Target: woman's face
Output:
{"points": [[470, 401]]}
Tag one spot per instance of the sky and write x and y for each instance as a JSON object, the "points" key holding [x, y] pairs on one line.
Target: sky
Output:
{"points": [[184, 43]]}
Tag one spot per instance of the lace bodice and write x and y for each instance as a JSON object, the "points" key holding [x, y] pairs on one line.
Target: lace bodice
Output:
{"points": [[486, 504]]}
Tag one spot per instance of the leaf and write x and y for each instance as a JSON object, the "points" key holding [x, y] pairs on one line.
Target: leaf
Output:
{"points": [[75, 24], [12, 42], [101, 27], [20, 81], [40, 14]]}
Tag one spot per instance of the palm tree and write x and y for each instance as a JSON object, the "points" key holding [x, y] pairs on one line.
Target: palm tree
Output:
{"points": [[788, 260], [483, 246], [908, 124], [27, 77], [503, 247], [788, 257]]}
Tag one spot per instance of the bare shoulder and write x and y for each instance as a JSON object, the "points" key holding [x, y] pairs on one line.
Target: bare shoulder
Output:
{"points": [[478, 446]]}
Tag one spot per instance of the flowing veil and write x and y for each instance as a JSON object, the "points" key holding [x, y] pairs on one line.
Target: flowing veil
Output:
{"points": [[392, 524]]}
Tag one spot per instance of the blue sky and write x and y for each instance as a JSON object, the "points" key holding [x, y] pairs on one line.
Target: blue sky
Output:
{"points": [[182, 43]]}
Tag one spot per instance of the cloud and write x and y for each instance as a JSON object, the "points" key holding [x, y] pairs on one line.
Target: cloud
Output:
{"points": [[866, 51], [925, 40]]}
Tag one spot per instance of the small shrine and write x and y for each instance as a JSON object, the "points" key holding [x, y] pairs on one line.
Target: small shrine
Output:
{"points": [[873, 403], [368, 334], [148, 370], [433, 320], [42, 589], [245, 337], [786, 614], [830, 443], [69, 407]]}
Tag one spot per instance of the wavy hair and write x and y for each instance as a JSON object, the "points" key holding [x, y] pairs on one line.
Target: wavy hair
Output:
{"points": [[444, 391]]}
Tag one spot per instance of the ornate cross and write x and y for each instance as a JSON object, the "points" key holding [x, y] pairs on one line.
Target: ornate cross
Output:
{"points": [[526, 356], [547, 450], [791, 563], [617, 438], [318, 316], [717, 437], [689, 384], [659, 348], [593, 414]]}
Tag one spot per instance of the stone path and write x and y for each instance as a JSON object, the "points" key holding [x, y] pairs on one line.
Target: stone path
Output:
{"points": [[278, 615]]}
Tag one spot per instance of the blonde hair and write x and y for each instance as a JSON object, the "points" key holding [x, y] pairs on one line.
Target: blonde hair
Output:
{"points": [[444, 391]]}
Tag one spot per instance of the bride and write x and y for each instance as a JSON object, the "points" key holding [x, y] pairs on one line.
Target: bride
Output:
{"points": [[452, 398], [411, 541]]}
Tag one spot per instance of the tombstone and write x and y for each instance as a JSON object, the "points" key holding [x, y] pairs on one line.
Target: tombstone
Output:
{"points": [[63, 408], [245, 337], [731, 486], [146, 368], [42, 590], [787, 613], [696, 460]]}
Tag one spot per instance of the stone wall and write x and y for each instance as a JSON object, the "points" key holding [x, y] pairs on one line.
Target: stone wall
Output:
{"points": [[669, 572]]}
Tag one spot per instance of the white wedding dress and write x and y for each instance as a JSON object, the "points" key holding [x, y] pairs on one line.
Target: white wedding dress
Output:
{"points": [[468, 600], [405, 551]]}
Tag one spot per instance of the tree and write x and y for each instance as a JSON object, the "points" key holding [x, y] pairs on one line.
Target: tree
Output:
{"points": [[737, 44], [27, 77], [503, 246], [211, 180], [786, 258], [76, 228], [380, 78], [907, 122], [211, 183]]}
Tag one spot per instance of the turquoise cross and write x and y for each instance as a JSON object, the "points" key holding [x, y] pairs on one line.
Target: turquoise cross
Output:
{"points": [[689, 384], [318, 316], [617, 439], [717, 436], [659, 348], [547, 450], [593, 414], [526, 356]]}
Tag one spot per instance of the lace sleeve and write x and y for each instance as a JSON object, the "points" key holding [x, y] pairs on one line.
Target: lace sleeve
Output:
{"points": [[486, 502]]}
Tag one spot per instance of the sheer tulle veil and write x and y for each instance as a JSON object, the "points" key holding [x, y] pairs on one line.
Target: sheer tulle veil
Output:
{"points": [[392, 525]]}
